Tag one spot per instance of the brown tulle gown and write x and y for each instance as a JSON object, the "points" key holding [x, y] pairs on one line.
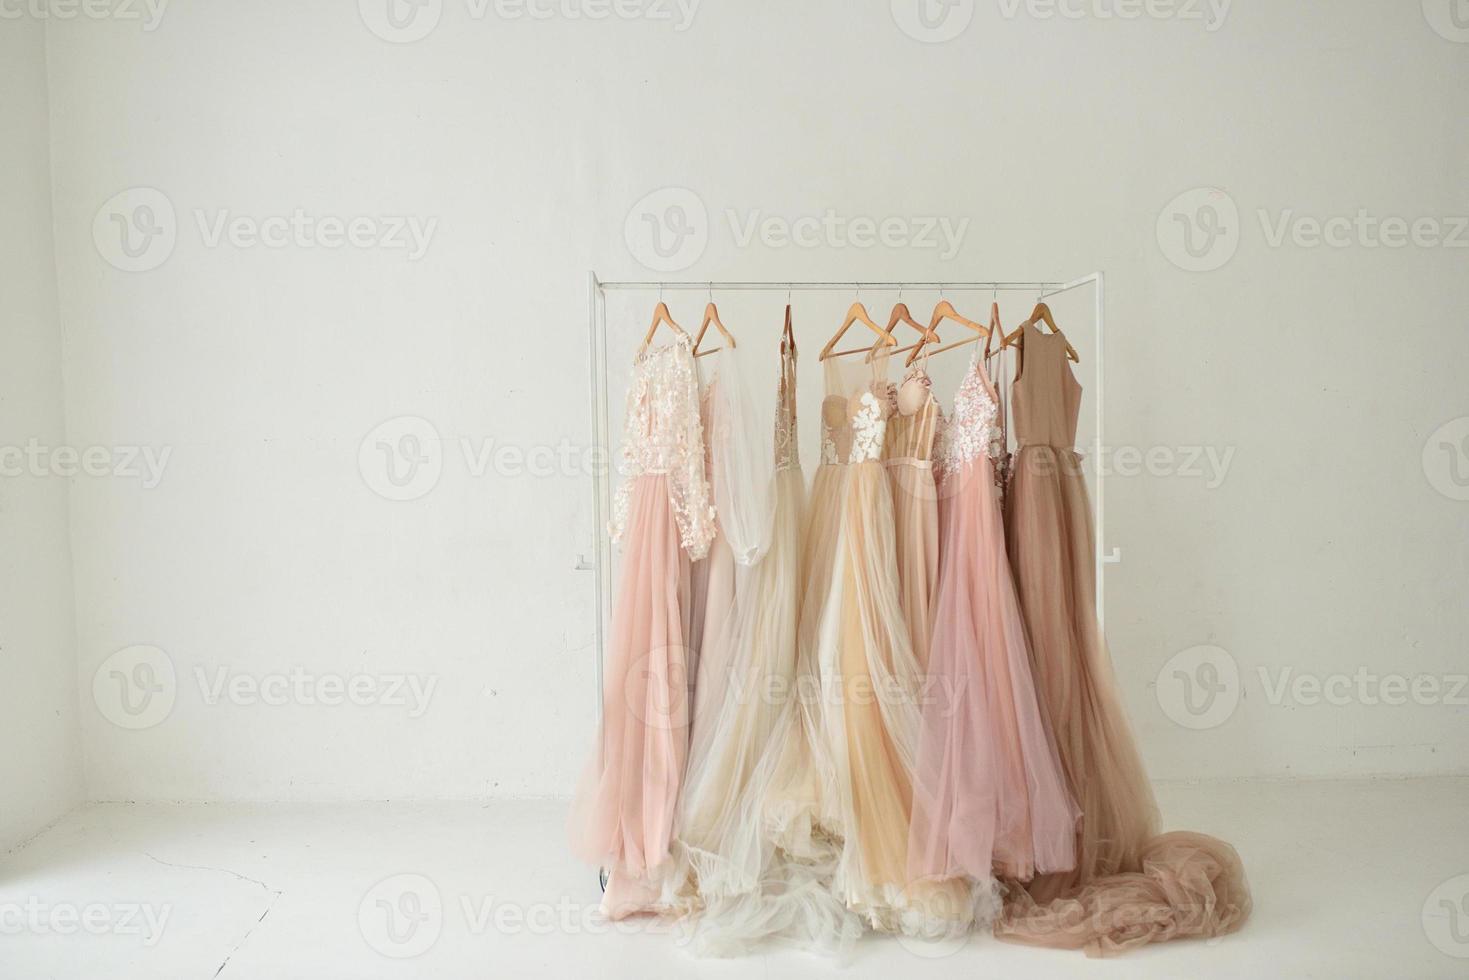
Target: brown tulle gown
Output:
{"points": [[1130, 887]]}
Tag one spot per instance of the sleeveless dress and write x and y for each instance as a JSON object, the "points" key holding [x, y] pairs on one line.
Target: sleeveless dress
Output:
{"points": [[908, 455], [624, 813], [989, 790], [1129, 887]]}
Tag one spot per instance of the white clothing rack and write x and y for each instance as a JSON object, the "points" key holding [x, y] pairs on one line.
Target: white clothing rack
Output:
{"points": [[601, 484]]}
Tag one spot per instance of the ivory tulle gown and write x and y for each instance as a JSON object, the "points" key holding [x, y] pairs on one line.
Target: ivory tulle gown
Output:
{"points": [[752, 882], [1129, 886], [989, 792], [805, 814], [625, 811]]}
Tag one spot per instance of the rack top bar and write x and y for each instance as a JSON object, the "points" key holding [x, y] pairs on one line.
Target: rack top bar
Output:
{"points": [[1051, 286]]}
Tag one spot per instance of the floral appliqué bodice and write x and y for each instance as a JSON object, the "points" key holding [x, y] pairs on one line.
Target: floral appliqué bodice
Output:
{"points": [[870, 411], [975, 429], [663, 434]]}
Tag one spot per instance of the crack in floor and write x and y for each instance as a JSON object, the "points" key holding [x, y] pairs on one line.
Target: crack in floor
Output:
{"points": [[275, 895]]}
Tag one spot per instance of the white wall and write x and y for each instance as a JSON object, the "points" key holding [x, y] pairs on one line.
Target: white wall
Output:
{"points": [[264, 550], [40, 769]]}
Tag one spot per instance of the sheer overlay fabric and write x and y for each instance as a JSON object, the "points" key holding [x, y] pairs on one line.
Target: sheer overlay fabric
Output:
{"points": [[1128, 887], [624, 815], [750, 879], [990, 792]]}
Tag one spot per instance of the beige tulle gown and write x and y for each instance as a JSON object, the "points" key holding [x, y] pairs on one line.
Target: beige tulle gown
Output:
{"points": [[756, 871], [625, 810], [1130, 887], [908, 455]]}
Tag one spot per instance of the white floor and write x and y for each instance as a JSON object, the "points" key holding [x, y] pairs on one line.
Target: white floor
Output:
{"points": [[1351, 879]]}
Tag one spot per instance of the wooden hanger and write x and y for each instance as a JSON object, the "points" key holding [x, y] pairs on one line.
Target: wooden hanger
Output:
{"points": [[787, 335], [899, 315], [660, 316], [945, 311], [1041, 314], [856, 313], [711, 315]]}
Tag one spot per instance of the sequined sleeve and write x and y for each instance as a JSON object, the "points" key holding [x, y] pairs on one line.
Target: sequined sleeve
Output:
{"points": [[629, 459]]}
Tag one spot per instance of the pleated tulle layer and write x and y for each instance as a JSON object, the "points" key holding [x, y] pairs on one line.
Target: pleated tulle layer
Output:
{"points": [[1129, 886], [625, 811], [989, 789]]}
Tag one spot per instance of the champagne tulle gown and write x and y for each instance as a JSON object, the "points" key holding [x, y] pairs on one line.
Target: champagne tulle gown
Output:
{"points": [[625, 810], [750, 881], [865, 648], [1130, 887], [989, 789]]}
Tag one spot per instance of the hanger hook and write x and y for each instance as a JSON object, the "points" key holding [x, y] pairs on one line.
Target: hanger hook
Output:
{"points": [[660, 292], [788, 294], [711, 294]]}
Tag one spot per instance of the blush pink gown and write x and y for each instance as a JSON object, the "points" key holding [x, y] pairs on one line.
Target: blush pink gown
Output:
{"points": [[625, 809], [989, 792]]}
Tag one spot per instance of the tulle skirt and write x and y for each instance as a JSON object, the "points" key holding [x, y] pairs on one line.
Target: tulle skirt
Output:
{"points": [[804, 812], [989, 789], [751, 882], [1121, 891], [866, 650], [916, 540], [625, 810]]}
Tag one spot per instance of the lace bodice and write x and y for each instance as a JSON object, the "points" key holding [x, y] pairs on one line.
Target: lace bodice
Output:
{"points": [[662, 434], [975, 429], [870, 412]]}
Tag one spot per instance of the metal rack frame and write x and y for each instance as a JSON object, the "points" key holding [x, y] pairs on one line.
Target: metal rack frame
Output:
{"points": [[597, 289]]}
